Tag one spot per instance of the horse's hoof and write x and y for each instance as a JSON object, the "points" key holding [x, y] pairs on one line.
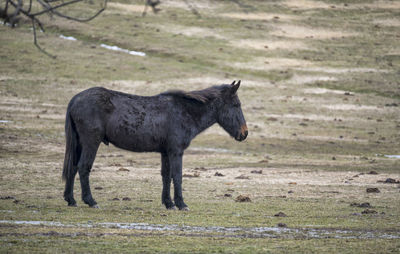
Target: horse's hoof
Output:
{"points": [[171, 208], [184, 208], [72, 205], [95, 206]]}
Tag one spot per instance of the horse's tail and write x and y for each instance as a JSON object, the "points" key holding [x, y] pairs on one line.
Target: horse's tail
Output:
{"points": [[72, 150]]}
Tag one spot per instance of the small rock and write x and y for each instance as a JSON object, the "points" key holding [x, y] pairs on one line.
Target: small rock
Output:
{"points": [[290, 191], [218, 174], [364, 205], [391, 180], [280, 214], [123, 169], [373, 190], [98, 188], [282, 225], [292, 183], [126, 199], [333, 158], [201, 169], [51, 233], [227, 195], [256, 171], [195, 174], [243, 198], [7, 197], [372, 172], [243, 177], [115, 199], [369, 211]]}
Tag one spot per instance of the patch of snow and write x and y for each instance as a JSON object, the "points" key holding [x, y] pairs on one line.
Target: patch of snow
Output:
{"points": [[70, 38], [392, 156], [263, 232], [115, 48], [323, 91]]}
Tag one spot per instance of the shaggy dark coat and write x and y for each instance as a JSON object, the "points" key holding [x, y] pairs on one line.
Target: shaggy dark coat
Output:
{"points": [[165, 123]]}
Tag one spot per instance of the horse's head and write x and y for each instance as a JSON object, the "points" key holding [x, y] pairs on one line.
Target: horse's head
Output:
{"points": [[230, 115]]}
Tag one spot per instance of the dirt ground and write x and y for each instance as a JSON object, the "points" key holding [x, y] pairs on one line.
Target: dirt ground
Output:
{"points": [[320, 93]]}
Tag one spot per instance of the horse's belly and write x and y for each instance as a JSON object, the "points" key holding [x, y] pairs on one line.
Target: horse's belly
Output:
{"points": [[136, 142]]}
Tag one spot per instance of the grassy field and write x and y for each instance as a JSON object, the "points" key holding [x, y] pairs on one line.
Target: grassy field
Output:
{"points": [[320, 93]]}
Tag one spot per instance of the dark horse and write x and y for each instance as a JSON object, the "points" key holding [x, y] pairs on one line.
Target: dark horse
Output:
{"points": [[165, 123]]}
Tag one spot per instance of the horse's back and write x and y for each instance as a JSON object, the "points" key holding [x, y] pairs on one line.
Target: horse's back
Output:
{"points": [[94, 98], [139, 123]]}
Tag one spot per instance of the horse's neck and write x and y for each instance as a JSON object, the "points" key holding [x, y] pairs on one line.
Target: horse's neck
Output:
{"points": [[207, 118]]}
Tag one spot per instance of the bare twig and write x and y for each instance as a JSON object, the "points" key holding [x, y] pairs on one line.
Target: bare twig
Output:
{"points": [[35, 41], [49, 7], [53, 10]]}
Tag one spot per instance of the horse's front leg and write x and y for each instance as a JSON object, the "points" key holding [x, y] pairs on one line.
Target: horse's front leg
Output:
{"points": [[175, 161], [166, 178]]}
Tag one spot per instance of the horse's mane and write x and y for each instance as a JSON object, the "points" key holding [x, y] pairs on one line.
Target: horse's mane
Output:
{"points": [[202, 96]]}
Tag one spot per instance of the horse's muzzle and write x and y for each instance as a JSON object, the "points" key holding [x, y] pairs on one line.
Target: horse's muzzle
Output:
{"points": [[243, 133]]}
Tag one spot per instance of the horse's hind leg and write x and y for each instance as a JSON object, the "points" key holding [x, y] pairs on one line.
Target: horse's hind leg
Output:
{"points": [[84, 166], [69, 189], [166, 178]]}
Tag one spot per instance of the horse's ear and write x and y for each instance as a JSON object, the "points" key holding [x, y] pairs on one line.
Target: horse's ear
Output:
{"points": [[235, 87]]}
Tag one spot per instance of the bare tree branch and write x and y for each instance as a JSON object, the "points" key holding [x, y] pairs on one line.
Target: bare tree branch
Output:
{"points": [[49, 7], [53, 7]]}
